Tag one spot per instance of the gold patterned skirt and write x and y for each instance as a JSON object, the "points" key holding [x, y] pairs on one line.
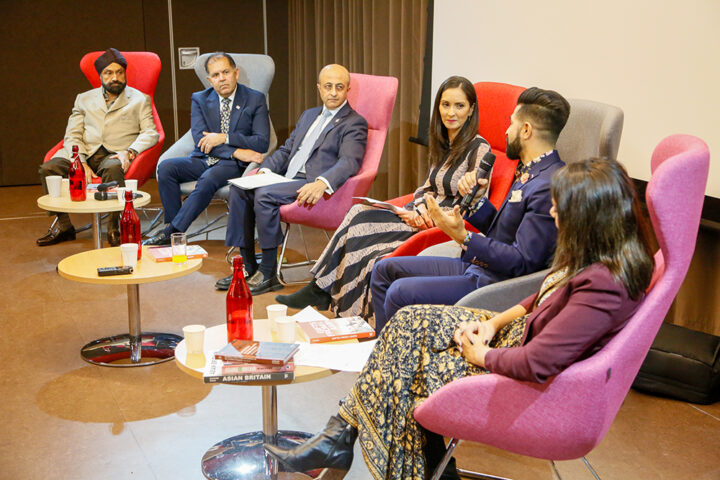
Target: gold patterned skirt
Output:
{"points": [[414, 356]]}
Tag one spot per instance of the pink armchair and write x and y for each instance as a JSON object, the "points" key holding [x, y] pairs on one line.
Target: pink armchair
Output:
{"points": [[142, 73], [373, 97], [569, 415]]}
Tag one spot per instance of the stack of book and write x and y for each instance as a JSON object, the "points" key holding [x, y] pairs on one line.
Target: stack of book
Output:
{"points": [[247, 361]]}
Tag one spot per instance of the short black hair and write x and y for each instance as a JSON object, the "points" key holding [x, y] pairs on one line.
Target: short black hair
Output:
{"points": [[218, 56], [547, 110]]}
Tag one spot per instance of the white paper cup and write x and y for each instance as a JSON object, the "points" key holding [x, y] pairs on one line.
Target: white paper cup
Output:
{"points": [[131, 185], [285, 329], [129, 252], [274, 312], [53, 182], [65, 187], [121, 195], [194, 338]]}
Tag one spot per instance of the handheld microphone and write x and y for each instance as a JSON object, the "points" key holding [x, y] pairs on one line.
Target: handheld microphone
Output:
{"points": [[105, 195], [101, 196], [483, 171], [103, 187]]}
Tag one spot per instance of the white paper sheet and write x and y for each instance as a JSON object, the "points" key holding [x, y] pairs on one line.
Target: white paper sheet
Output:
{"points": [[308, 314], [350, 357], [252, 182]]}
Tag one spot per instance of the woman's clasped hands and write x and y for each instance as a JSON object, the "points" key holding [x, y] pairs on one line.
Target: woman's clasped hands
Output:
{"points": [[472, 339]]}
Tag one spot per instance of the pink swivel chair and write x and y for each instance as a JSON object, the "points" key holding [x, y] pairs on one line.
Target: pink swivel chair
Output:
{"points": [[142, 73], [373, 97], [569, 415]]}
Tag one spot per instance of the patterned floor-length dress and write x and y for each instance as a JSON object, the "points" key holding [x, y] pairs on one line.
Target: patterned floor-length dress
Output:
{"points": [[367, 234], [414, 357]]}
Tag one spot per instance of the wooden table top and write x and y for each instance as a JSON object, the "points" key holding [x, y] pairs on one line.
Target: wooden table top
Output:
{"points": [[82, 267], [90, 205], [216, 338]]}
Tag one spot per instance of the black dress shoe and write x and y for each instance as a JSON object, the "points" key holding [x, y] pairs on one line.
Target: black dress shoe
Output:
{"points": [[161, 238], [331, 449], [113, 237], [310, 294], [55, 235], [224, 283], [259, 284]]}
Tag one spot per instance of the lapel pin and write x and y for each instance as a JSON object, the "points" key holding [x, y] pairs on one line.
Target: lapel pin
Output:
{"points": [[237, 107]]}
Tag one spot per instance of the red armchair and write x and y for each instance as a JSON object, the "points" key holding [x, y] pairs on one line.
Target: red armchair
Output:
{"points": [[142, 73], [496, 102]]}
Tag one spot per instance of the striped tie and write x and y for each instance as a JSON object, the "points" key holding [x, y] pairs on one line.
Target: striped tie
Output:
{"points": [[224, 126]]}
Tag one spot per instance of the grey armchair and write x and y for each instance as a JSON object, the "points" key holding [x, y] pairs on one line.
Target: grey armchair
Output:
{"points": [[256, 72], [593, 130]]}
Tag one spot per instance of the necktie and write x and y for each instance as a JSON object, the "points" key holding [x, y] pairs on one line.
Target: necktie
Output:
{"points": [[224, 126], [297, 162]]}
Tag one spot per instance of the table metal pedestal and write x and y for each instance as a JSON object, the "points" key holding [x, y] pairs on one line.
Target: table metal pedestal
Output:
{"points": [[243, 457], [134, 349], [97, 231]]}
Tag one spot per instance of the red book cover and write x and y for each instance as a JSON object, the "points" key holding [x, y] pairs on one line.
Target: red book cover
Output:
{"points": [[332, 329], [218, 371], [271, 353]]}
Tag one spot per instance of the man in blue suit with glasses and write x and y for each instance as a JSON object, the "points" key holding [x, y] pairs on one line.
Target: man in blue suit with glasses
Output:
{"points": [[230, 128]]}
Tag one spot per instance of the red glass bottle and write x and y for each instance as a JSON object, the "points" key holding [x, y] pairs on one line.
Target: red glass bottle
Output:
{"points": [[239, 305], [130, 223], [76, 174]]}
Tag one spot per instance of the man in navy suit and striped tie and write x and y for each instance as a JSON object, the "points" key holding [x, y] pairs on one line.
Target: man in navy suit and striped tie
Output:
{"points": [[230, 128], [325, 149]]}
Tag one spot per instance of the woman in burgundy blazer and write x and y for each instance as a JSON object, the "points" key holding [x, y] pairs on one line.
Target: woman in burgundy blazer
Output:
{"points": [[602, 266]]}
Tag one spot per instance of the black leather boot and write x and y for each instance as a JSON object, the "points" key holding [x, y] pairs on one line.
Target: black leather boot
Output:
{"points": [[310, 294], [331, 449]]}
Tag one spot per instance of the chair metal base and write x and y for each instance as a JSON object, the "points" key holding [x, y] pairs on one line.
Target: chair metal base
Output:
{"points": [[484, 476], [159, 212], [208, 227], [127, 351], [479, 476], [243, 457], [304, 263]]}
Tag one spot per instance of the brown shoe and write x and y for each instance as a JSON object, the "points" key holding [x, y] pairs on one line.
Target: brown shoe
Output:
{"points": [[113, 237], [55, 235], [113, 230]]}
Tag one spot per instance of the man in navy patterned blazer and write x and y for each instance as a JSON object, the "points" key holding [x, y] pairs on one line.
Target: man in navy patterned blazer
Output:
{"points": [[325, 149], [230, 128], [518, 239]]}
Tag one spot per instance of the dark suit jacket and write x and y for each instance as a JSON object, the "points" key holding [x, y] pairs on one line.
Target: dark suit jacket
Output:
{"points": [[337, 153], [249, 123], [521, 235], [575, 322]]}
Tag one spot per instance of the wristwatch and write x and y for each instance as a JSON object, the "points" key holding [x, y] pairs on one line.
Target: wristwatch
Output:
{"points": [[466, 241], [131, 154]]}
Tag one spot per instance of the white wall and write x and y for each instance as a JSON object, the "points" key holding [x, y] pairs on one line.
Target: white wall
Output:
{"points": [[657, 60]]}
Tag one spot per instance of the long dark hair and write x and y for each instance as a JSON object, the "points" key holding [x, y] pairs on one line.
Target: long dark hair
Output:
{"points": [[439, 143], [600, 220]]}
